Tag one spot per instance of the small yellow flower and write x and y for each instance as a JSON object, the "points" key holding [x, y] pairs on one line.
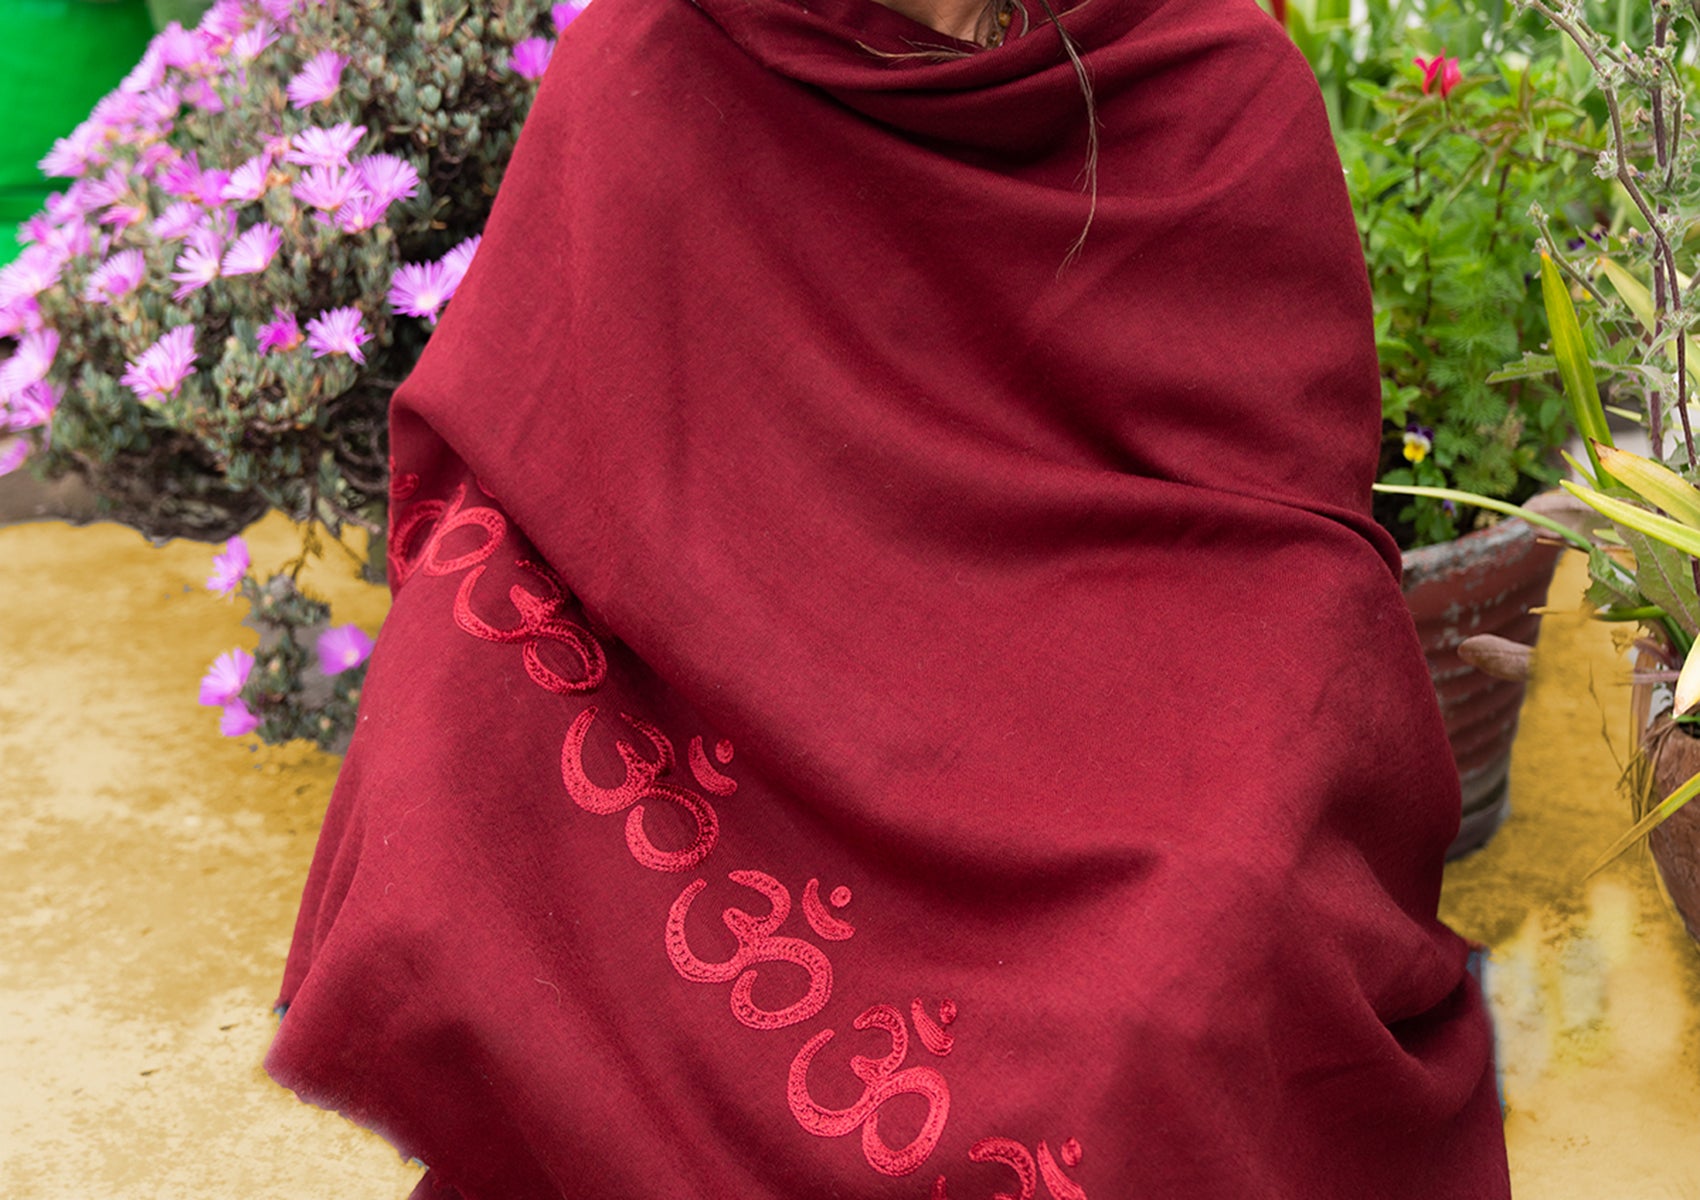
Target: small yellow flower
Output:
{"points": [[1419, 440]]}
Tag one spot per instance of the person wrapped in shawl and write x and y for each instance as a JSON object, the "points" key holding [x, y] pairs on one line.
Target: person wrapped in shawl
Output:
{"points": [[893, 689]]}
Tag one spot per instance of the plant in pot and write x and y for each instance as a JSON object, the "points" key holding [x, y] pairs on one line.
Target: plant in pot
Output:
{"points": [[1634, 327], [260, 227], [1437, 152]]}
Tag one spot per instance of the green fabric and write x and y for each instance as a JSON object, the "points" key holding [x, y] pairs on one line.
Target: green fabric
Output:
{"points": [[57, 58]]}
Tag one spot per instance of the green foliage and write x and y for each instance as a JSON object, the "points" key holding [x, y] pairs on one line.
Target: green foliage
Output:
{"points": [[1439, 184]]}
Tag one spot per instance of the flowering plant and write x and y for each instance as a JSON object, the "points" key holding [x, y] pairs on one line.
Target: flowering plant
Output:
{"points": [[1437, 152], [261, 225]]}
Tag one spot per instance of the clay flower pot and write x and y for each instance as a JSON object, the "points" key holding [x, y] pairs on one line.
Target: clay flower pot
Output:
{"points": [[1482, 583], [1667, 756]]}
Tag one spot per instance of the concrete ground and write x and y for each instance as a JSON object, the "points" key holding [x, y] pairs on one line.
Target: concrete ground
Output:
{"points": [[152, 871]]}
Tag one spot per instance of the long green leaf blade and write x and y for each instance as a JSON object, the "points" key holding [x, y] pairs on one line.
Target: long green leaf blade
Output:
{"points": [[1654, 482], [1500, 506], [1647, 824], [1672, 533], [1573, 365]]}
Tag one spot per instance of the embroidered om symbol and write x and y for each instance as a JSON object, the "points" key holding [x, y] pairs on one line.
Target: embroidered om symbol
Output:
{"points": [[757, 944], [884, 1080], [1019, 1159], [640, 783]]}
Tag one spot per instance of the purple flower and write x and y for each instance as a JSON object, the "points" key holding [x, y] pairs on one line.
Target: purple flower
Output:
{"points": [[338, 331], [236, 720], [281, 333], [125, 215], [117, 276], [253, 251], [224, 679], [360, 212], [319, 147], [147, 74], [19, 314], [12, 455], [183, 177], [388, 177], [34, 404], [278, 10], [248, 181], [29, 362], [202, 95], [563, 15], [326, 188], [531, 57], [343, 647], [197, 266], [162, 367], [457, 261], [228, 570], [223, 21], [318, 80], [179, 47], [248, 44], [73, 155], [420, 289], [177, 221]]}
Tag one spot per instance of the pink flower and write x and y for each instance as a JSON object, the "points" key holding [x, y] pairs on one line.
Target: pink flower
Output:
{"points": [[338, 331], [228, 570], [1442, 69], [388, 177], [253, 251], [563, 15], [319, 147], [224, 679], [31, 273], [34, 404], [180, 47], [531, 57], [117, 276], [281, 333], [223, 21], [248, 181], [236, 720], [73, 155], [30, 362], [360, 212], [326, 188], [162, 367], [318, 80], [248, 44], [343, 647], [457, 261], [176, 221], [125, 215], [420, 289], [197, 266], [202, 95], [12, 455]]}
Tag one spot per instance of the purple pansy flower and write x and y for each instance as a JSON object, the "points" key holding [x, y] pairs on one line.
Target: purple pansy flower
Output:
{"points": [[117, 276], [338, 331], [253, 251], [420, 289], [281, 333], [236, 720], [343, 647], [318, 80], [224, 679], [530, 58], [1419, 440], [161, 369]]}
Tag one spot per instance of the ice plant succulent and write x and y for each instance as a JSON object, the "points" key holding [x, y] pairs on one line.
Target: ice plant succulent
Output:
{"points": [[339, 331], [161, 369], [341, 648], [318, 80], [280, 333], [229, 567], [224, 679]]}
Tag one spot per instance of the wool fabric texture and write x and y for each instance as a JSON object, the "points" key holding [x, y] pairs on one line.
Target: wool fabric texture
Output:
{"points": [[875, 708]]}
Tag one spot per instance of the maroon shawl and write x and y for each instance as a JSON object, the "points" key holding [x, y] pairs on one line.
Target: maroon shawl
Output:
{"points": [[870, 710]]}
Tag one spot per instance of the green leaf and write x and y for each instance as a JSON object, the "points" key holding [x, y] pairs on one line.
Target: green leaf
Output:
{"points": [[1665, 578], [1574, 368], [1632, 290], [1528, 367], [1671, 533], [1607, 587], [1655, 483], [1499, 506], [1648, 823]]}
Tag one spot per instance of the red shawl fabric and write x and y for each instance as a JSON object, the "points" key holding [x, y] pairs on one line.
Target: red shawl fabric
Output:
{"points": [[871, 709]]}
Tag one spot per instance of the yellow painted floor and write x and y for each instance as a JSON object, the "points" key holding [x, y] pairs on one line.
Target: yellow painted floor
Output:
{"points": [[151, 870]]}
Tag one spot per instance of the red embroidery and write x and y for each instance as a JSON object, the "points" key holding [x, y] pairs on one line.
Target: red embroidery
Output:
{"points": [[707, 777], [947, 1012], [883, 1081], [723, 750], [1071, 1152], [455, 518], [404, 485], [1016, 1157], [640, 772], [400, 562], [756, 944], [645, 851], [840, 896], [1060, 1186], [821, 921], [540, 621], [932, 1036]]}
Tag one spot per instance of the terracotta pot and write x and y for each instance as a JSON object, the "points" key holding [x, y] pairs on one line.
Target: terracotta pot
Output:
{"points": [[1668, 756], [1483, 583]]}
